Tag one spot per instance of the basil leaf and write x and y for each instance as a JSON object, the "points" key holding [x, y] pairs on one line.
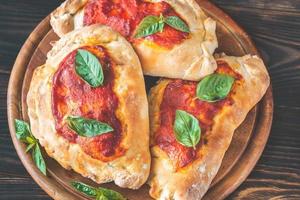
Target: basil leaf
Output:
{"points": [[24, 134], [22, 130], [29, 147], [83, 188], [110, 194], [214, 87], [31, 140], [101, 197], [153, 24], [87, 127], [38, 159], [187, 129], [177, 24], [149, 25], [97, 193], [89, 68]]}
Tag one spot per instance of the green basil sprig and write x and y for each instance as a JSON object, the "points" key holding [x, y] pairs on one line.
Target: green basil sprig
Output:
{"points": [[214, 87], [89, 68], [38, 159], [87, 127], [24, 134], [153, 24], [187, 129], [149, 25], [97, 193], [177, 24]]}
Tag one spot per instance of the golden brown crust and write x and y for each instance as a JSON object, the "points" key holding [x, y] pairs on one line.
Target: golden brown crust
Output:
{"points": [[130, 170], [62, 19], [192, 182], [190, 60], [194, 54]]}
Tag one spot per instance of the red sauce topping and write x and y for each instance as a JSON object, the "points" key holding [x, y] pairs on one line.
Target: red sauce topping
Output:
{"points": [[125, 15], [73, 96], [180, 94]]}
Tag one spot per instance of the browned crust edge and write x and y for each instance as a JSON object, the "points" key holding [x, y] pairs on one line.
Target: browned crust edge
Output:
{"points": [[195, 54], [132, 169], [193, 182]]}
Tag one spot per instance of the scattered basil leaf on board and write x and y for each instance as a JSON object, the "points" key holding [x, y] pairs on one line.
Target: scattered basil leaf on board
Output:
{"points": [[110, 194], [101, 197], [98, 193], [31, 140], [87, 127], [153, 24], [22, 130], [23, 133], [177, 24], [38, 159], [89, 68], [187, 129], [29, 147], [83, 188], [214, 87], [149, 25]]}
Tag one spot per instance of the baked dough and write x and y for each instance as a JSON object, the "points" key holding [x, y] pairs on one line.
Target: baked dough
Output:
{"points": [[191, 59], [131, 170], [192, 182]]}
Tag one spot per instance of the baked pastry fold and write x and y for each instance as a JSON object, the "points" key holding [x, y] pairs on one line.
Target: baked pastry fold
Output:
{"points": [[190, 58], [171, 177], [128, 167]]}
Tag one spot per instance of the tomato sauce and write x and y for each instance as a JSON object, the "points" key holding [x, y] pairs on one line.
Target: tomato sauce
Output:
{"points": [[73, 96], [180, 94], [125, 15]]}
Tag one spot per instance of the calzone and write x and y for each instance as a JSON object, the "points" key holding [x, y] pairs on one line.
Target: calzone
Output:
{"points": [[173, 38], [88, 107]]}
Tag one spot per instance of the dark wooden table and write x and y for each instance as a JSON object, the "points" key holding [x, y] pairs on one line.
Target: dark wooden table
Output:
{"points": [[275, 27]]}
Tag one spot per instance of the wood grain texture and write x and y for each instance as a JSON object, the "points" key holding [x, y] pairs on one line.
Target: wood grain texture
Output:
{"points": [[274, 26], [242, 155]]}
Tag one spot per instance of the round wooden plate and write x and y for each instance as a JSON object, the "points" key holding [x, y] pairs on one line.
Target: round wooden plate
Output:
{"points": [[247, 144]]}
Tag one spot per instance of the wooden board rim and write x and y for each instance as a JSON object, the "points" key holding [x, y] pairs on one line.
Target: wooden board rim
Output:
{"points": [[57, 192]]}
